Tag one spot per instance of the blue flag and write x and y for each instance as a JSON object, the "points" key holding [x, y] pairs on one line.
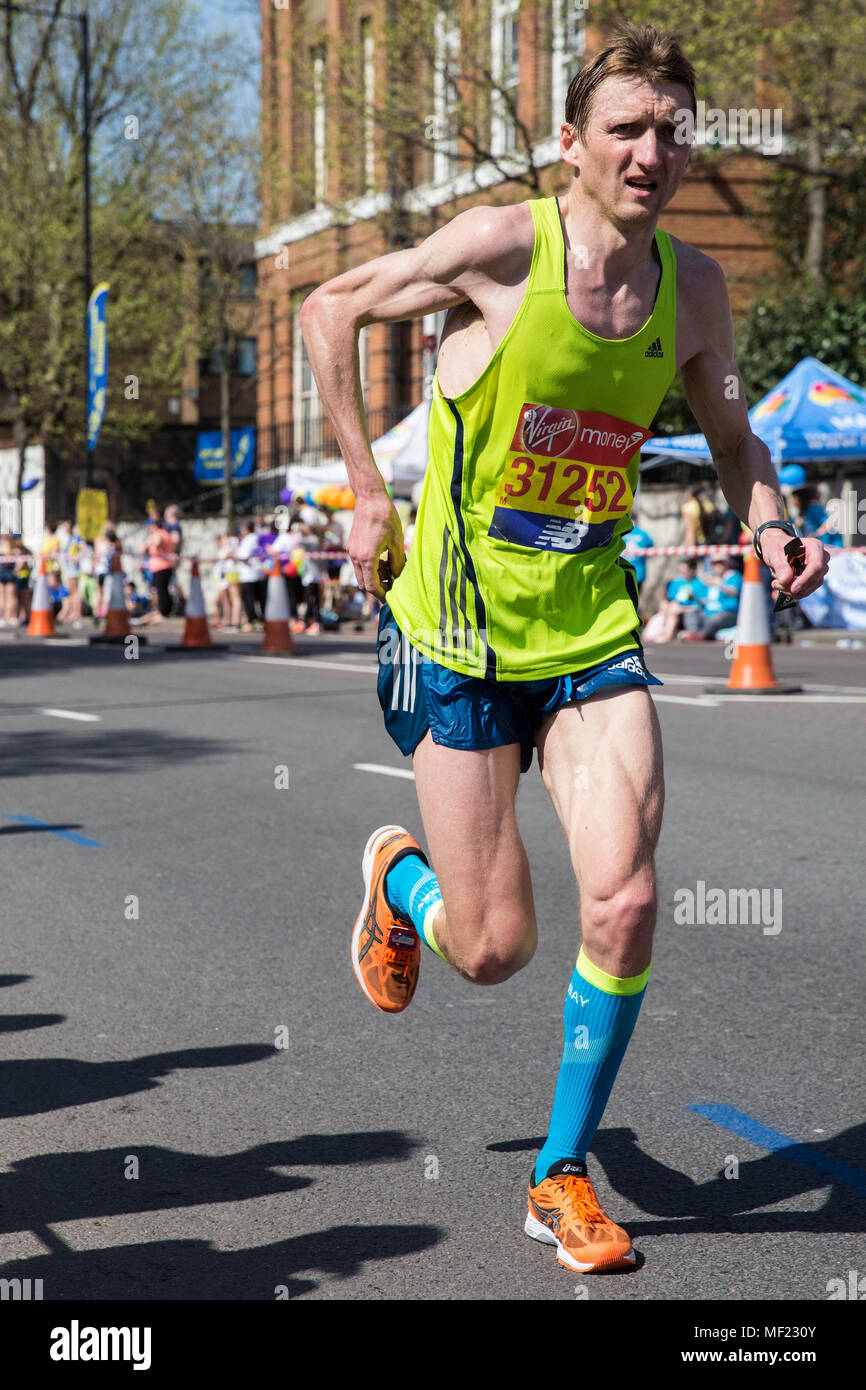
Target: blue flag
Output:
{"points": [[97, 363], [210, 464]]}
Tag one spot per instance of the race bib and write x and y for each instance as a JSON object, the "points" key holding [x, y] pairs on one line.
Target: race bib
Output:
{"points": [[564, 484]]}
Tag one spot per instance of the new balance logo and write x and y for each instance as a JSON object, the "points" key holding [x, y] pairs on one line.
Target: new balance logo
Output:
{"points": [[655, 349]]}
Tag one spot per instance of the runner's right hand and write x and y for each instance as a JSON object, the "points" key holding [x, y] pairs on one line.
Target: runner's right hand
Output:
{"points": [[376, 527]]}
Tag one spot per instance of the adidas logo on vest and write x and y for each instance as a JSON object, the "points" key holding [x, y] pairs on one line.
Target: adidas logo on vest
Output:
{"points": [[654, 349]]}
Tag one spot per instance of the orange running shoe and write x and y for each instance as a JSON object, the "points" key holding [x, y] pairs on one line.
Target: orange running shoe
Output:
{"points": [[564, 1211], [386, 950]]}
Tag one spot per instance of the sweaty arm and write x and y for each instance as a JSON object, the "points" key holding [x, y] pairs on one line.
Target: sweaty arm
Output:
{"points": [[714, 391], [448, 268]]}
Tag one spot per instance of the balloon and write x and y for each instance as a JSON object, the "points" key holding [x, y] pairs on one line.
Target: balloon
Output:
{"points": [[347, 499], [286, 495], [319, 497], [792, 475]]}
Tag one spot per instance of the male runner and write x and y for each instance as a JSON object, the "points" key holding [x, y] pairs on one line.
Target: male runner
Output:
{"points": [[514, 623]]}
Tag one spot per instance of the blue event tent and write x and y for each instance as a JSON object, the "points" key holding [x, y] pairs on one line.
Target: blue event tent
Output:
{"points": [[813, 414]]}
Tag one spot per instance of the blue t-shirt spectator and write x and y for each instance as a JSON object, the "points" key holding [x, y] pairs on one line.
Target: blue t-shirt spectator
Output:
{"points": [[637, 539], [681, 591], [711, 596], [813, 519]]}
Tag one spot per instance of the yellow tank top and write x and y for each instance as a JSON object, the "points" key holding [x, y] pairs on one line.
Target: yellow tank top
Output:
{"points": [[515, 570]]}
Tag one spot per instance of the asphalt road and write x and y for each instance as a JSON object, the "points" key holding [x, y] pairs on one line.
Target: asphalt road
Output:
{"points": [[198, 1102]]}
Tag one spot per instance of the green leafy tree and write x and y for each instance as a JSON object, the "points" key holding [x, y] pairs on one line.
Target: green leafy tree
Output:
{"points": [[150, 93]]}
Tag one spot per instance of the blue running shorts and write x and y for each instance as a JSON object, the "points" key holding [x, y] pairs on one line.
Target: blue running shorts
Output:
{"points": [[417, 694]]}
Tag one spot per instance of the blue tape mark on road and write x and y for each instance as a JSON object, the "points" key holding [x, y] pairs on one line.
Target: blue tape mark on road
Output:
{"points": [[728, 1118], [53, 830]]}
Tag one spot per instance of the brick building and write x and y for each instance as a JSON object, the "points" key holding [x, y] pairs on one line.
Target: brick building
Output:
{"points": [[347, 179]]}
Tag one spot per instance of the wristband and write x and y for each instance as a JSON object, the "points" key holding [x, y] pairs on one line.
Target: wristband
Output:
{"points": [[787, 526]]}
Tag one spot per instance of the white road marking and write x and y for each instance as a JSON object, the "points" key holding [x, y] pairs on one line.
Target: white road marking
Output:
{"points": [[302, 662], [705, 700], [812, 694], [72, 714], [385, 771]]}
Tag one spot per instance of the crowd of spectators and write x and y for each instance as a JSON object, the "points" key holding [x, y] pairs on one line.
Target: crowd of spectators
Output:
{"points": [[698, 604], [320, 592]]}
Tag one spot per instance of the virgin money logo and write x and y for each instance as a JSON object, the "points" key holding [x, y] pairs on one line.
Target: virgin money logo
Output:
{"points": [[548, 430], [591, 437]]}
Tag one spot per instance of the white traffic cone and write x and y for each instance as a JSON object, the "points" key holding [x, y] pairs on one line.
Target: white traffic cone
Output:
{"points": [[278, 636]]}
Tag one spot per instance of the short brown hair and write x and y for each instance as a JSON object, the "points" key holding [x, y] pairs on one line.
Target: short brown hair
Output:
{"points": [[636, 50]]}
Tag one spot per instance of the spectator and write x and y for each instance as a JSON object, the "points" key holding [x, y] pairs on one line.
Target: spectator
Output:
{"points": [[171, 525], [57, 591], [50, 548], [637, 539], [283, 545], [71, 547], [23, 572], [228, 600], [719, 597], [312, 578], [88, 590], [161, 556], [251, 574], [137, 604], [8, 583], [697, 512], [812, 518], [104, 548], [680, 605]]}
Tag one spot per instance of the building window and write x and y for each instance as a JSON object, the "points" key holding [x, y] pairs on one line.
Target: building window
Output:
{"points": [[245, 361], [504, 53], [369, 128], [446, 97], [212, 364], [247, 282], [569, 47], [319, 62]]}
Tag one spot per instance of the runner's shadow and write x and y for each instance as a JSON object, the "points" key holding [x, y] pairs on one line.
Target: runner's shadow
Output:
{"points": [[192, 1269], [59, 1187], [7, 980], [729, 1204], [17, 1023], [29, 1086], [124, 750]]}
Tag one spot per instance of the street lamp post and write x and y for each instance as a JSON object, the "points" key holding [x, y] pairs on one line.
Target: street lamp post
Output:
{"points": [[82, 20]]}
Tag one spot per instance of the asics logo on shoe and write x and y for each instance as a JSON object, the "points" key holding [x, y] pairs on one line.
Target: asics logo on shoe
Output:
{"points": [[578, 1168], [550, 1217]]}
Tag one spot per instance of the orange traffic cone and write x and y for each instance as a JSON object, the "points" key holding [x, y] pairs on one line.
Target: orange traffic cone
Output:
{"points": [[42, 611], [278, 637], [196, 633], [117, 626], [752, 670]]}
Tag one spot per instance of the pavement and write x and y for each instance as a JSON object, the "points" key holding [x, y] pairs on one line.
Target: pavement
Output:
{"points": [[199, 1103]]}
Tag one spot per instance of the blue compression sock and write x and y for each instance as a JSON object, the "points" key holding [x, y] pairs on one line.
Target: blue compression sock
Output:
{"points": [[599, 1017], [412, 889]]}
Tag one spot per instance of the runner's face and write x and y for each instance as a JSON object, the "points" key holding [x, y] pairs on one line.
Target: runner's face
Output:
{"points": [[630, 163]]}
